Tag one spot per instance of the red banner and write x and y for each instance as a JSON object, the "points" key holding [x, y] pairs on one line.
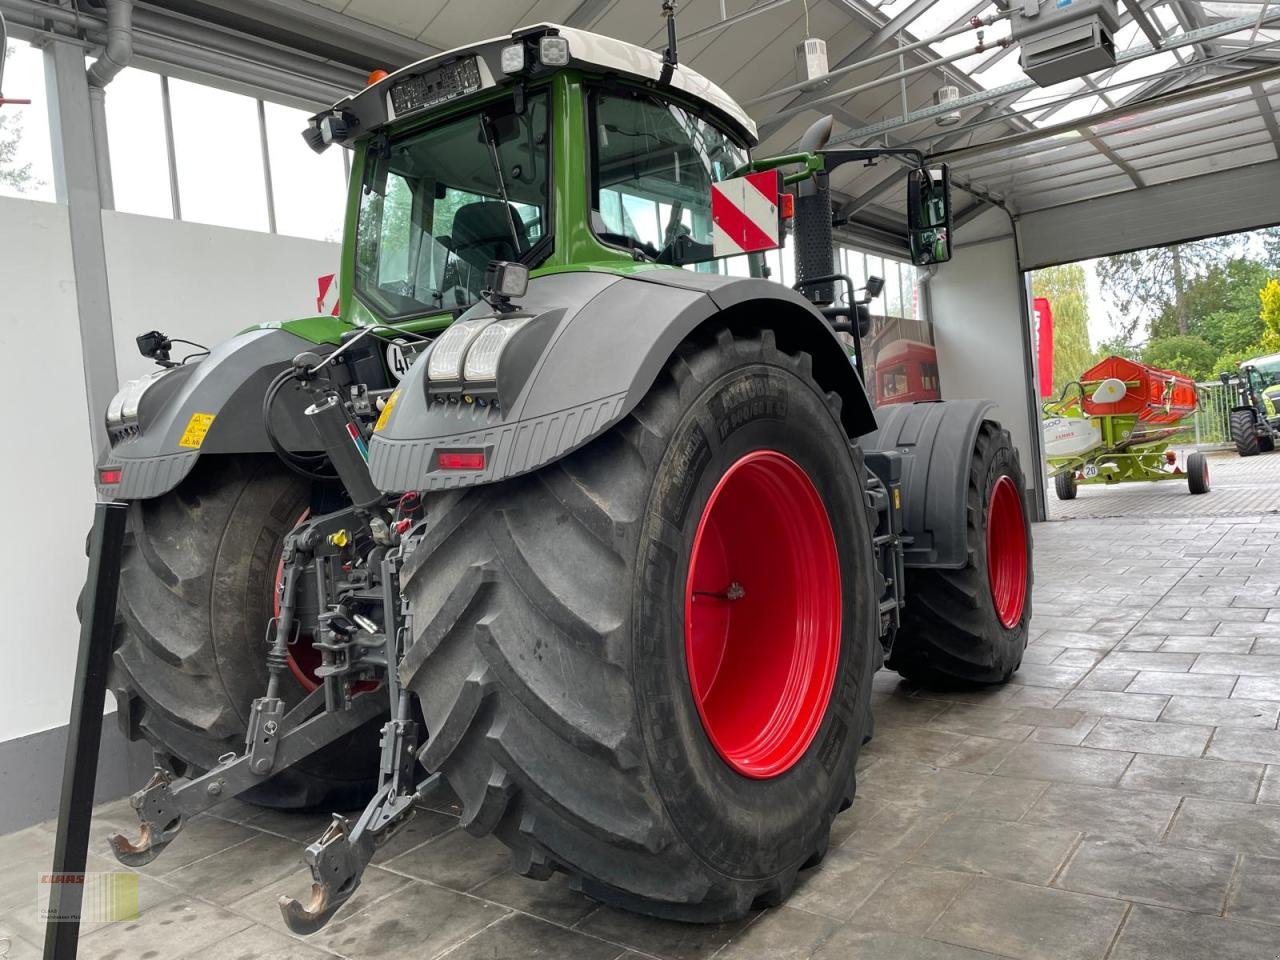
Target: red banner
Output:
{"points": [[1042, 322]]}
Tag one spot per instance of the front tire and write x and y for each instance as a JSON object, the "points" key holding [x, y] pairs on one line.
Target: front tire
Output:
{"points": [[1244, 433], [970, 625], [574, 693], [1065, 486], [1197, 473]]}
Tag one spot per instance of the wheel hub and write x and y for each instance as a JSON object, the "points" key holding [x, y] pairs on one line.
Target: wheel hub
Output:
{"points": [[1006, 552], [762, 614]]}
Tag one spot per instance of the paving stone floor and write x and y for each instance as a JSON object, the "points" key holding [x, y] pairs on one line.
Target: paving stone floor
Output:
{"points": [[1120, 799]]}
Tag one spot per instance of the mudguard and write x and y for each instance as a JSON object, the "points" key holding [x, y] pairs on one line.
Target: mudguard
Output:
{"points": [[593, 349], [228, 386], [936, 442]]}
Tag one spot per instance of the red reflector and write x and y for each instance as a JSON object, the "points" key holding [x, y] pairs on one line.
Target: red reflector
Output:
{"points": [[110, 477], [458, 460], [787, 205]]}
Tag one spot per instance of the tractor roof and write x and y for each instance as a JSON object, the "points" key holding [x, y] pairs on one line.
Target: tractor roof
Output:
{"points": [[472, 69], [1270, 360]]}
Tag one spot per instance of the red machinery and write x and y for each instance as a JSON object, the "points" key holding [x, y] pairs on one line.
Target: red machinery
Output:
{"points": [[1156, 396], [906, 371]]}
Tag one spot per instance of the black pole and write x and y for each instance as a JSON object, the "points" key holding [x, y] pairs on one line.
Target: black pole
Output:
{"points": [[84, 734]]}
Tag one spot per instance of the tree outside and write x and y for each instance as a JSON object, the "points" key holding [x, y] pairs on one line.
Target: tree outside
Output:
{"points": [[1064, 287]]}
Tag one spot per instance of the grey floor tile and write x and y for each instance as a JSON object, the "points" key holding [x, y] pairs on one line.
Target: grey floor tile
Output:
{"points": [[1031, 853], [1169, 662], [301, 826], [1185, 684], [896, 831], [1030, 923], [978, 754], [418, 920], [844, 879], [172, 929], [1194, 777], [976, 720], [1003, 798], [1270, 792], [1255, 895], [1245, 743], [1257, 688], [1047, 675], [918, 744], [201, 837], [425, 825], [849, 943], [258, 943], [549, 899], [1233, 827], [914, 784], [1049, 761], [912, 898], [1159, 874], [1071, 736], [1141, 736], [1206, 645], [1223, 712], [667, 939], [1133, 706], [518, 937], [455, 859], [240, 870], [1113, 680], [1102, 811], [784, 934], [1153, 933], [1244, 665]]}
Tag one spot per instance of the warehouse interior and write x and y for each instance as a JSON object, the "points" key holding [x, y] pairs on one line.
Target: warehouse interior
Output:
{"points": [[1118, 798]]}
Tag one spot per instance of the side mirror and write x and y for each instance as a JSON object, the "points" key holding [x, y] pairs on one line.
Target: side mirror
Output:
{"points": [[1225, 377], [873, 288], [929, 214]]}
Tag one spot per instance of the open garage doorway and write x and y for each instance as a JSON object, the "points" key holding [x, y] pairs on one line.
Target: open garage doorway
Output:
{"points": [[1142, 358]]}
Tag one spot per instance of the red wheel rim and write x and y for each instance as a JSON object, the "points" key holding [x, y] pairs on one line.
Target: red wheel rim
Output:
{"points": [[762, 614], [1007, 552]]}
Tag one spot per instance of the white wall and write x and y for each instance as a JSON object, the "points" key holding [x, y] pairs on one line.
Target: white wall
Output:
{"points": [[199, 282], [203, 283], [977, 305], [46, 489]]}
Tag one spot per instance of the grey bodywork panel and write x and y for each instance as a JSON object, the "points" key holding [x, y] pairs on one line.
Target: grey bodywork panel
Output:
{"points": [[229, 384], [603, 339], [936, 442]]}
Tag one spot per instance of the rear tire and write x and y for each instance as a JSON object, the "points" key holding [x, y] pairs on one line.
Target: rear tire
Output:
{"points": [[195, 599], [550, 657], [970, 625], [1065, 486], [1244, 433], [1197, 473]]}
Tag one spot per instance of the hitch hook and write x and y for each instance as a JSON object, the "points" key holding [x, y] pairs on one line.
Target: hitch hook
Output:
{"points": [[159, 818], [336, 869]]}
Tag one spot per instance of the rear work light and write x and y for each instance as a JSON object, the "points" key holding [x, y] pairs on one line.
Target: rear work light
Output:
{"points": [[110, 476], [461, 460]]}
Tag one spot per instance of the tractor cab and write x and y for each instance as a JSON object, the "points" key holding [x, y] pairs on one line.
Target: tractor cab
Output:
{"points": [[1255, 406], [556, 149]]}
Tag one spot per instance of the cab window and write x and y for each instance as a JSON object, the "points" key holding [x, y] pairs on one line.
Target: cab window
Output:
{"points": [[653, 163]]}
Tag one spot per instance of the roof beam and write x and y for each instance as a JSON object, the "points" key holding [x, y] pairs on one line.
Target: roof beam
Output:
{"points": [[1268, 114], [586, 13]]}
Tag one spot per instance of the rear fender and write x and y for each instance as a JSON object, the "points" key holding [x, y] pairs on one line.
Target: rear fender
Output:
{"points": [[592, 351], [227, 385], [936, 442]]}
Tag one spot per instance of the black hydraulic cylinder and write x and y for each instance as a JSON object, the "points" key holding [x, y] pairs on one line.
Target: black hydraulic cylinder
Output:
{"points": [[84, 735], [344, 444]]}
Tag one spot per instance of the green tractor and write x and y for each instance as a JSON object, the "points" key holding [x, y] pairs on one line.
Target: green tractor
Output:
{"points": [[559, 518], [1255, 417]]}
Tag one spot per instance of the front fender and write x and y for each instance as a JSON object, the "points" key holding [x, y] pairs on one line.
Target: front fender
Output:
{"points": [[936, 442], [596, 346], [227, 385]]}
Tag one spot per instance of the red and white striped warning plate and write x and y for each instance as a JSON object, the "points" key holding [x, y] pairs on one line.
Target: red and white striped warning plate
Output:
{"points": [[744, 214]]}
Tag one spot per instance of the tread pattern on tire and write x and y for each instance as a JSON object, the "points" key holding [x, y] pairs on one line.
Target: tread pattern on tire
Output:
{"points": [[520, 657], [1064, 485], [950, 631]]}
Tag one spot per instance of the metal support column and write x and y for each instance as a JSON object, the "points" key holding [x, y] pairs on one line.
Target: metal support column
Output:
{"points": [[76, 178], [84, 735]]}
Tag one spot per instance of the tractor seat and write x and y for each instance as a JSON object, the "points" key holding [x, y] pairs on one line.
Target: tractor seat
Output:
{"points": [[482, 232]]}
